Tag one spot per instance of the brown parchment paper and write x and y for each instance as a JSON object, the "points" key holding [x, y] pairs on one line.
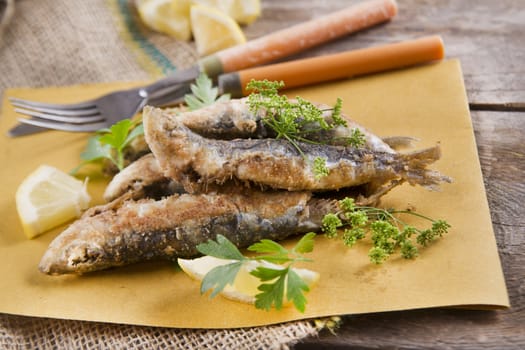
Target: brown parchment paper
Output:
{"points": [[462, 269]]}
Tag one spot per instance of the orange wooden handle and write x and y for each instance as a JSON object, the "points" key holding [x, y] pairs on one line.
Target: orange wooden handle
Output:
{"points": [[342, 65], [299, 37]]}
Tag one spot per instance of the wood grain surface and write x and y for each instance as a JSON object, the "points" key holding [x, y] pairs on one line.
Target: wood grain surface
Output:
{"points": [[489, 39]]}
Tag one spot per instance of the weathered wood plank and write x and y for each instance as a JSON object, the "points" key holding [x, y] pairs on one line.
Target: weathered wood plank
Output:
{"points": [[501, 147], [489, 39], [487, 36]]}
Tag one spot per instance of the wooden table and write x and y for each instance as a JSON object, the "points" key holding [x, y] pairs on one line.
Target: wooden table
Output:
{"points": [[489, 39]]}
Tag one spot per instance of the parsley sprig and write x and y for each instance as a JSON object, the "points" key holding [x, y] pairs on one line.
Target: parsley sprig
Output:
{"points": [[109, 143], [204, 94], [297, 121], [388, 232], [277, 285]]}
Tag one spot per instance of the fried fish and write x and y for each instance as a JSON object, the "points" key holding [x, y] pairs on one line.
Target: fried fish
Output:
{"points": [[126, 231], [190, 158], [228, 120], [192, 187]]}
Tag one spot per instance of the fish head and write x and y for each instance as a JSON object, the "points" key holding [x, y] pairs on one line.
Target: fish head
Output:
{"points": [[70, 254]]}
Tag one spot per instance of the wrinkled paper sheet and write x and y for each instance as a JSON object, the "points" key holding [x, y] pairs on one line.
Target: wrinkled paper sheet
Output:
{"points": [[462, 269]]}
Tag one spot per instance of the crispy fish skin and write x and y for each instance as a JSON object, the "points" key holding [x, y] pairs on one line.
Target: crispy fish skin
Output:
{"points": [[338, 135], [228, 120], [125, 231], [276, 163], [224, 120], [142, 178], [154, 184]]}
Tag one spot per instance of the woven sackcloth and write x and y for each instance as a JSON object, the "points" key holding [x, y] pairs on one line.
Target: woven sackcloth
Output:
{"points": [[67, 42]]}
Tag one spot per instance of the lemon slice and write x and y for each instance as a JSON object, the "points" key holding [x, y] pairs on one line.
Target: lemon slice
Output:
{"points": [[48, 198], [181, 7], [214, 30], [244, 288], [166, 17], [243, 11], [221, 5]]}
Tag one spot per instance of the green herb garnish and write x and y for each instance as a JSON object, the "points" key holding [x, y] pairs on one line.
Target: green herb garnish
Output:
{"points": [[204, 94], [388, 232], [109, 143], [275, 283], [297, 121]]}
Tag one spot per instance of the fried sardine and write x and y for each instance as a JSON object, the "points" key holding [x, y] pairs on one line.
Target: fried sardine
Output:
{"points": [[190, 189], [189, 158], [228, 120], [126, 231]]}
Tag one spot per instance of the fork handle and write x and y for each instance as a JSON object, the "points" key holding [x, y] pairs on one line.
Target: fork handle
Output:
{"points": [[300, 37]]}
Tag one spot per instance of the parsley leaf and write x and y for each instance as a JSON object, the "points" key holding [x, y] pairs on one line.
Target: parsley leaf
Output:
{"points": [[305, 244], [356, 139], [218, 277], [277, 283], [109, 143], [222, 249], [277, 253], [272, 293], [320, 168], [296, 287], [297, 121], [204, 94], [95, 150]]}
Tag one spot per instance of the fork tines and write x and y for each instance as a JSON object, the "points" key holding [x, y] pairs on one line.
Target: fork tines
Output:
{"points": [[68, 117]]}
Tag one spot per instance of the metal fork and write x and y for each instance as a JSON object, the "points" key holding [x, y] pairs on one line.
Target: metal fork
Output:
{"points": [[293, 73], [270, 47], [71, 120], [103, 111]]}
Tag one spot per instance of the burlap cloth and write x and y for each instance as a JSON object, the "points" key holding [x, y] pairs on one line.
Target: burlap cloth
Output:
{"points": [[65, 42]]}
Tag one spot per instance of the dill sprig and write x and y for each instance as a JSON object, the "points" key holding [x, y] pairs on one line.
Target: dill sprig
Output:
{"points": [[388, 232], [297, 120]]}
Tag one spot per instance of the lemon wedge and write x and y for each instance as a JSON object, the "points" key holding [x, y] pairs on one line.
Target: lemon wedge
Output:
{"points": [[214, 30], [48, 198], [242, 11], [245, 11], [221, 5], [166, 17], [244, 288], [181, 7]]}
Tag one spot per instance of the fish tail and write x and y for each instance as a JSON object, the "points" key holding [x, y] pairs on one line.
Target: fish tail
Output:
{"points": [[399, 142], [319, 207], [415, 171]]}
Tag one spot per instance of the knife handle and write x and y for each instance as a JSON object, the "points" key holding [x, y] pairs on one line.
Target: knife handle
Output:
{"points": [[343, 65], [298, 38]]}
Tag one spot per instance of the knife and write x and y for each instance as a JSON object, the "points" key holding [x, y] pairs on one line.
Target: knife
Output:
{"points": [[279, 44], [324, 68], [337, 66]]}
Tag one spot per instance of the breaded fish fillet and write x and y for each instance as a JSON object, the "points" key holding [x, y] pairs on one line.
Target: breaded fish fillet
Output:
{"points": [[126, 231], [185, 156], [142, 178], [228, 120]]}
